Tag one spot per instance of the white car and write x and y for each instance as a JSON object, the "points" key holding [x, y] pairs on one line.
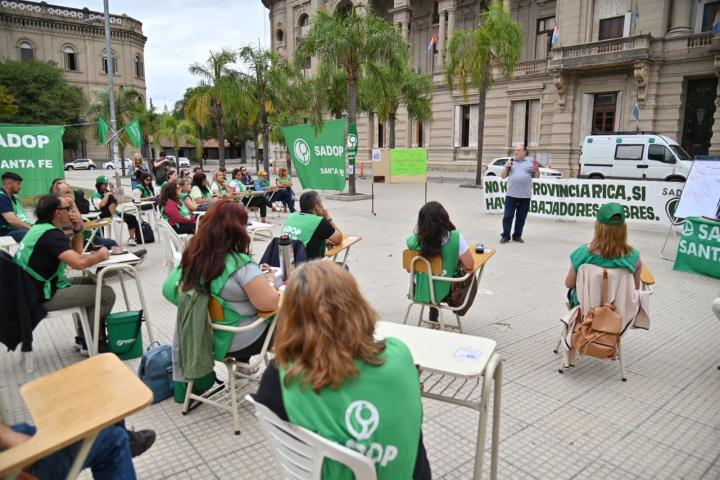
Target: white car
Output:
{"points": [[173, 160], [116, 164], [183, 162], [495, 168], [80, 164]]}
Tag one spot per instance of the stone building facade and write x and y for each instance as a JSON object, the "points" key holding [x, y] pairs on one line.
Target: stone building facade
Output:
{"points": [[75, 40], [609, 56]]}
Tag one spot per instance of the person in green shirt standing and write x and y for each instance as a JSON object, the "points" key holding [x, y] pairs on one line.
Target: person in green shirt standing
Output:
{"points": [[331, 376], [313, 225], [45, 252], [13, 220], [609, 249]]}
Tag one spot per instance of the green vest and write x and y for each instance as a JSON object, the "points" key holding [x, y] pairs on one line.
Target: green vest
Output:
{"points": [[184, 211], [27, 247], [222, 340], [146, 192], [450, 257], [238, 186], [221, 189], [301, 226], [18, 210], [583, 255], [378, 413]]}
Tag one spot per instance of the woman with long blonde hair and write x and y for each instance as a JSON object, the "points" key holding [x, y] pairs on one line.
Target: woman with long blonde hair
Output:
{"points": [[333, 377], [609, 248]]}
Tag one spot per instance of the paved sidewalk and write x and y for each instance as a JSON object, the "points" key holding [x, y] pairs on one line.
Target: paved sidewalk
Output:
{"points": [[663, 423]]}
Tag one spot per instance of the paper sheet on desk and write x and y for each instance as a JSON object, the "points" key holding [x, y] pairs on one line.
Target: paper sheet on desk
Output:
{"points": [[467, 354]]}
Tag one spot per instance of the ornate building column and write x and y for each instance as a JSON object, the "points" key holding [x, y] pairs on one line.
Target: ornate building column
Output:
{"points": [[680, 18], [401, 16], [441, 40], [451, 22], [314, 7]]}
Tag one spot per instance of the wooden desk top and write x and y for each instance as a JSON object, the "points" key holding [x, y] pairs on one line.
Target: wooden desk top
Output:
{"points": [[103, 222], [481, 259], [646, 276], [70, 404], [441, 351], [347, 241]]}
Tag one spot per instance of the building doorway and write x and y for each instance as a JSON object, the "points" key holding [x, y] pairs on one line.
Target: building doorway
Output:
{"points": [[699, 113], [604, 110]]}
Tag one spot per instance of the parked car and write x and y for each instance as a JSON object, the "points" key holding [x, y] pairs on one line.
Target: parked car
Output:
{"points": [[116, 164], [634, 156], [173, 160], [80, 164], [183, 162], [496, 166]]}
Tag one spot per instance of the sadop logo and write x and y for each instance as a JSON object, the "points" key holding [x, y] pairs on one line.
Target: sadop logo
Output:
{"points": [[670, 208], [352, 141], [688, 229], [302, 151], [362, 419]]}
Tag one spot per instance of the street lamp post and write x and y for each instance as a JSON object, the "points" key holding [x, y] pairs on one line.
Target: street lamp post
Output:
{"points": [[111, 90]]}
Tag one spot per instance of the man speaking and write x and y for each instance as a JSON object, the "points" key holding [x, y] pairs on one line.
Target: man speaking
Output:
{"points": [[519, 172]]}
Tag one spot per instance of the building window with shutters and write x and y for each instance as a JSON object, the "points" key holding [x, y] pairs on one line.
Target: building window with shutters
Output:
{"points": [[604, 111], [465, 126], [26, 51], [611, 28], [711, 10], [139, 67], [70, 58], [525, 121], [381, 135], [114, 63], [543, 36]]}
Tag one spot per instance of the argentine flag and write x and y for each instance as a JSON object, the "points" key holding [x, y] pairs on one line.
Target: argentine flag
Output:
{"points": [[555, 35]]}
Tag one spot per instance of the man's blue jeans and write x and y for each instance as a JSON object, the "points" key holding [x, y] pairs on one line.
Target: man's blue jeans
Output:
{"points": [[109, 456], [517, 208]]}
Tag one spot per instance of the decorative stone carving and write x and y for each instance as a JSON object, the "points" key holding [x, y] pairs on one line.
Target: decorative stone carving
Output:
{"points": [[642, 74], [560, 82], [717, 73]]}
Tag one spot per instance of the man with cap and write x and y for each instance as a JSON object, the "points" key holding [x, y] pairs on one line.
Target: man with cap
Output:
{"points": [[313, 225], [13, 220], [519, 171], [609, 248], [45, 251]]}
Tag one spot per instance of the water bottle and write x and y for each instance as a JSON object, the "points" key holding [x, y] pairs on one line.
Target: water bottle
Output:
{"points": [[286, 257]]}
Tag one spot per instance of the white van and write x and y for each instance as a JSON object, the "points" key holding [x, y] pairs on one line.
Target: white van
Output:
{"points": [[634, 156]]}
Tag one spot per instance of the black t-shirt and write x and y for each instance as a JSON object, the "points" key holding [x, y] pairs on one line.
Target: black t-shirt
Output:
{"points": [[105, 211], [44, 259], [323, 231]]}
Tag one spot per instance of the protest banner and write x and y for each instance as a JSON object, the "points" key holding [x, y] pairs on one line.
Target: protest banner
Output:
{"points": [[408, 164], [699, 248], [35, 152], [576, 199], [318, 158]]}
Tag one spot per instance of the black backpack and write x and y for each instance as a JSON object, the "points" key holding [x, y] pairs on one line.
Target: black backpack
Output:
{"points": [[82, 204], [147, 234]]}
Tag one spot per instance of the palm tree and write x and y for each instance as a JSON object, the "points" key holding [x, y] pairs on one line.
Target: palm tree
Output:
{"points": [[391, 85], [207, 101], [472, 55], [355, 40], [175, 130]]}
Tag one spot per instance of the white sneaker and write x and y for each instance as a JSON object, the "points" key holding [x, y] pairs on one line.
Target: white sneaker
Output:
{"points": [[131, 242]]}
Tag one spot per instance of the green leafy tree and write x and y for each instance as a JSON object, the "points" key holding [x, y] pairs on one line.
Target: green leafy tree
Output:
{"points": [[217, 85], [176, 131], [42, 97], [472, 54], [8, 104], [356, 40], [388, 86]]}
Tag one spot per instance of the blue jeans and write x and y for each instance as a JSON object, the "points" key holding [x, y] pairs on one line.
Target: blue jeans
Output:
{"points": [[109, 456], [285, 197], [17, 234], [517, 208]]}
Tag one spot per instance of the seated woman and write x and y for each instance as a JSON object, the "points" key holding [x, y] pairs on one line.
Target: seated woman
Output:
{"points": [[144, 192], [285, 181], [172, 176], [104, 202], [185, 188], [246, 178], [327, 360], [173, 210], [229, 275], [609, 249], [218, 187], [272, 194], [284, 192], [236, 184], [435, 235], [200, 193]]}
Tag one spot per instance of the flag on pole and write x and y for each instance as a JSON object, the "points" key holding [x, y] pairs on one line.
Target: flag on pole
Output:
{"points": [[433, 41], [636, 111], [716, 22], [636, 17], [102, 130], [556, 35], [134, 133]]}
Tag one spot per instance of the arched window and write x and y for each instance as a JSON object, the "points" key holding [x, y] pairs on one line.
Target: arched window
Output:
{"points": [[105, 63], [70, 58], [279, 35], [139, 67], [344, 8], [27, 51], [304, 20]]}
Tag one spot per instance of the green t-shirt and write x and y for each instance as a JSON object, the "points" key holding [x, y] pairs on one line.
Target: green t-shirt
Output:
{"points": [[583, 255], [196, 193]]}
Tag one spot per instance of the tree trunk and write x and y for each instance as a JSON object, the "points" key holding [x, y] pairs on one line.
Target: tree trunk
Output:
{"points": [[220, 133], [481, 131], [352, 120], [289, 164], [391, 129]]}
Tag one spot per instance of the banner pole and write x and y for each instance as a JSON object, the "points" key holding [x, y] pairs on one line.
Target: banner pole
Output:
{"points": [[372, 194], [426, 190]]}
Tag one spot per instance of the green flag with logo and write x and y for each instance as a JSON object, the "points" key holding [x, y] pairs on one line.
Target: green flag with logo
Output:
{"points": [[352, 143], [133, 131], [35, 152], [318, 158], [103, 128], [699, 248]]}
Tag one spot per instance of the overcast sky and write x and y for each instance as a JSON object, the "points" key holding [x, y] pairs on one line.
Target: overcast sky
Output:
{"points": [[181, 32]]}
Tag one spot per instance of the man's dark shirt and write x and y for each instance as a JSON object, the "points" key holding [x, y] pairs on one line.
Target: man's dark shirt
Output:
{"points": [[323, 231], [44, 259]]}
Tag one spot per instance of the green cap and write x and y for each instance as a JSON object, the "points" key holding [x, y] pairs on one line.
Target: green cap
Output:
{"points": [[608, 211], [102, 179]]}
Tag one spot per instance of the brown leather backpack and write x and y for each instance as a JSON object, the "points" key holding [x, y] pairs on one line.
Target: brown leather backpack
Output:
{"points": [[598, 333]]}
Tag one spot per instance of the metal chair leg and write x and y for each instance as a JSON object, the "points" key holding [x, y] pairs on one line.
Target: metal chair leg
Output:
{"points": [[620, 359], [557, 347], [459, 322], [407, 313], [188, 392], [420, 317], [233, 397]]}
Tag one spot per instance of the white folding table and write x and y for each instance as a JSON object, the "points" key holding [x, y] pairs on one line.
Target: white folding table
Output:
{"points": [[452, 365]]}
